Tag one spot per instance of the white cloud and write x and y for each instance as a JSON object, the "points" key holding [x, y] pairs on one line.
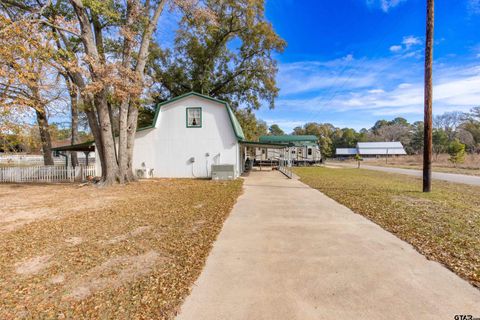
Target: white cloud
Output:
{"points": [[385, 5], [410, 41], [285, 124], [474, 6], [392, 86], [311, 76], [332, 76], [395, 48], [348, 57]]}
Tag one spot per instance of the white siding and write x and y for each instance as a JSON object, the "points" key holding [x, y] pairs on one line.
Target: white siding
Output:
{"points": [[373, 148], [381, 151], [380, 145], [168, 147], [381, 148], [297, 153], [346, 151]]}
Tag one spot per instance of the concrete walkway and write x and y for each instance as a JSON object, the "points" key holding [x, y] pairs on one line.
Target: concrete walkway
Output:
{"points": [[450, 177], [289, 252]]}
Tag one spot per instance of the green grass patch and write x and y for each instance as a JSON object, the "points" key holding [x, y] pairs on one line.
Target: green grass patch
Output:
{"points": [[444, 225]]}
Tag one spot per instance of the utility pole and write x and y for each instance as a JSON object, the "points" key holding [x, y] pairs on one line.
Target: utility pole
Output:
{"points": [[427, 149]]}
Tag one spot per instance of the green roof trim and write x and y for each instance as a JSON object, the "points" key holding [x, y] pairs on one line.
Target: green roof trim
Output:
{"points": [[235, 123], [292, 140], [264, 144], [289, 138], [237, 128]]}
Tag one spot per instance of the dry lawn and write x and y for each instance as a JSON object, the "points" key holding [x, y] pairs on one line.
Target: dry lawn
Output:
{"points": [[127, 252], [443, 225], [471, 166]]}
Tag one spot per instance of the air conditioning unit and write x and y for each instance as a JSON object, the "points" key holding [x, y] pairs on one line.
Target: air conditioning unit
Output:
{"points": [[223, 172], [141, 173], [144, 173]]}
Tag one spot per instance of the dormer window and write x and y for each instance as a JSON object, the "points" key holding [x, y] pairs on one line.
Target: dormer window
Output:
{"points": [[194, 117]]}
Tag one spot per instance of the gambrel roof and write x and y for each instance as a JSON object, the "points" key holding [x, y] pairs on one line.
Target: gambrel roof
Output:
{"points": [[237, 128]]}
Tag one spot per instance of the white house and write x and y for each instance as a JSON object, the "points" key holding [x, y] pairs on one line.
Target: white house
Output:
{"points": [[189, 133]]}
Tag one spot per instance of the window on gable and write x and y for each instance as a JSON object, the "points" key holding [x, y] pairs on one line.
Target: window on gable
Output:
{"points": [[309, 151], [194, 117]]}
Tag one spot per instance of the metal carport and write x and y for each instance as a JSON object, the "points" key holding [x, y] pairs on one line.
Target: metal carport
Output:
{"points": [[284, 162]]}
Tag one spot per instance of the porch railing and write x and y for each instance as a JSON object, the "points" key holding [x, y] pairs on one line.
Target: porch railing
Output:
{"points": [[285, 168]]}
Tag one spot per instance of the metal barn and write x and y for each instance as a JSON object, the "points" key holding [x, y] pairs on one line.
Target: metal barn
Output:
{"points": [[373, 149]]}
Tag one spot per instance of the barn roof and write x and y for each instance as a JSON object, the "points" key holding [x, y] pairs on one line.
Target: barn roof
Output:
{"points": [[379, 145], [237, 128], [373, 148], [380, 148]]}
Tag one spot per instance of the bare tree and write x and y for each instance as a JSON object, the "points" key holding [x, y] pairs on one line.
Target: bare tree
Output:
{"points": [[393, 132], [449, 122]]}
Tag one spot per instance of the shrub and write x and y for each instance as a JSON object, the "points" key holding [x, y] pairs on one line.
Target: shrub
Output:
{"points": [[456, 150], [358, 158]]}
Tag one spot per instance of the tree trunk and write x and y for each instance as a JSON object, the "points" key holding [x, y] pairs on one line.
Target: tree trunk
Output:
{"points": [[88, 106], [123, 124], [92, 41], [73, 91], [95, 128], [139, 71], [123, 154], [42, 122], [110, 174], [427, 150], [131, 129]]}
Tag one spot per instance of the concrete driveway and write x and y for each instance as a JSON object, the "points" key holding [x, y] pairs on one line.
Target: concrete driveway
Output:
{"points": [[289, 252]]}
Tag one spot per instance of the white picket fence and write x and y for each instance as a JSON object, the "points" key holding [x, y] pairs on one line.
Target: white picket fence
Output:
{"points": [[46, 174], [13, 160]]}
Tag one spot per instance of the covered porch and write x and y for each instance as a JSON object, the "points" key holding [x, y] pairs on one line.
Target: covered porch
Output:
{"points": [[282, 160], [66, 151]]}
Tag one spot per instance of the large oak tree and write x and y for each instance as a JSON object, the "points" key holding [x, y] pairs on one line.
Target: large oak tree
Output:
{"points": [[231, 59], [103, 47]]}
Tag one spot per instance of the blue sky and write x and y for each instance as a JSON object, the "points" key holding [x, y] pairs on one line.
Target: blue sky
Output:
{"points": [[352, 62]]}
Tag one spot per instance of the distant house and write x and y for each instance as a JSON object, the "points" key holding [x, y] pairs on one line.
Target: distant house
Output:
{"points": [[366, 149], [303, 148]]}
